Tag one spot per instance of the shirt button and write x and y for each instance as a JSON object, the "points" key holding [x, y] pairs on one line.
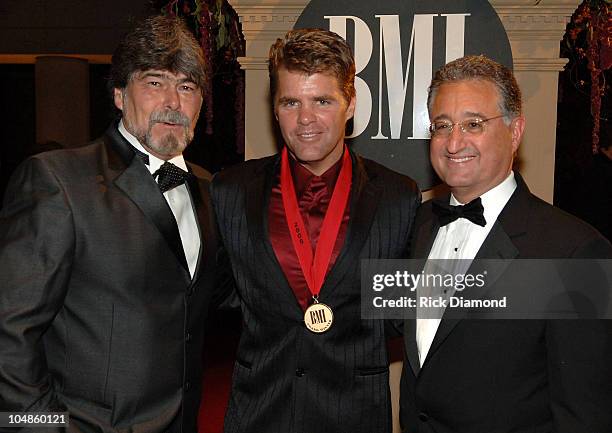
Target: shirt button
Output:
{"points": [[188, 337], [300, 372], [187, 386], [423, 417]]}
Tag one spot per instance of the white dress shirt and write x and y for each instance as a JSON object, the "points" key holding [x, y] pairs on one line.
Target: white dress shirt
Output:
{"points": [[179, 201], [461, 240]]}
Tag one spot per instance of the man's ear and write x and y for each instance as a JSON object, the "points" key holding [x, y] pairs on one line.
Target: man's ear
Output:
{"points": [[350, 111], [517, 128], [118, 98]]}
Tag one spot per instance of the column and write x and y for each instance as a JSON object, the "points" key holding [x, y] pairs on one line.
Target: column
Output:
{"points": [[262, 23], [535, 30]]}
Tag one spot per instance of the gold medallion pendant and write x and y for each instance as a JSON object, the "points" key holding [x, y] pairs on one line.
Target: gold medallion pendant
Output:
{"points": [[318, 317]]}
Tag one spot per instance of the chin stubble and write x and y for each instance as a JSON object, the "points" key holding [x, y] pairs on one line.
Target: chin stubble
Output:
{"points": [[168, 144]]}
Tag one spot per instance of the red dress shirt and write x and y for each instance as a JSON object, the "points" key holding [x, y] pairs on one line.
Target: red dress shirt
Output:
{"points": [[313, 195]]}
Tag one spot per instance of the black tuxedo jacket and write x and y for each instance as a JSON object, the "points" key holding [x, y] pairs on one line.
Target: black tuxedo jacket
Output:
{"points": [[286, 378], [494, 376], [98, 313]]}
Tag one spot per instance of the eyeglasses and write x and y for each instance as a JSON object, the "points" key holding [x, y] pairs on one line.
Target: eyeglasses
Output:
{"points": [[468, 126]]}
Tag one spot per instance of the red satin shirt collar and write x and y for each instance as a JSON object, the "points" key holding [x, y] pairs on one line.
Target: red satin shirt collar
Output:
{"points": [[302, 176]]}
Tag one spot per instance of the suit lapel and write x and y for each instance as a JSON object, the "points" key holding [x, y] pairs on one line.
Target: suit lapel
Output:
{"points": [[257, 205], [425, 234], [138, 184], [365, 197], [201, 205], [426, 230], [410, 344]]}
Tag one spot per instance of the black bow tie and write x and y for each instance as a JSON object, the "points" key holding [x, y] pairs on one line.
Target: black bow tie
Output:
{"points": [[169, 176], [473, 211]]}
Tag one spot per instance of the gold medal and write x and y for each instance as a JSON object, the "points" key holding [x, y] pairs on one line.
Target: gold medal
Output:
{"points": [[318, 317]]}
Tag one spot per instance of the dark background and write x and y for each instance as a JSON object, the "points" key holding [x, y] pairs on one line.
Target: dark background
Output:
{"points": [[70, 27]]}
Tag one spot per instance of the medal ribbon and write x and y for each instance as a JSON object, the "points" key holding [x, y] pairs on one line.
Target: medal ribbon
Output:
{"points": [[315, 268]]}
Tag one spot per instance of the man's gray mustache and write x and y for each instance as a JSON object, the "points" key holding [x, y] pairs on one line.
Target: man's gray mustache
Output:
{"points": [[175, 117]]}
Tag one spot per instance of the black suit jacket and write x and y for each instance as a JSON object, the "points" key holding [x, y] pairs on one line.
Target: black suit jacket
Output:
{"points": [[98, 312], [286, 378], [516, 376]]}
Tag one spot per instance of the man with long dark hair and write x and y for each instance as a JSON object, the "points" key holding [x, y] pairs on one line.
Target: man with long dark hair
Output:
{"points": [[108, 256]]}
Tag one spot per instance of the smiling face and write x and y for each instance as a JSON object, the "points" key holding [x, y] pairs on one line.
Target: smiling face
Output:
{"points": [[473, 164], [312, 112], [160, 109]]}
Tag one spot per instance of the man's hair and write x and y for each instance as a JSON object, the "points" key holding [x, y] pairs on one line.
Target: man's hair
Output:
{"points": [[313, 51], [481, 68], [158, 42]]}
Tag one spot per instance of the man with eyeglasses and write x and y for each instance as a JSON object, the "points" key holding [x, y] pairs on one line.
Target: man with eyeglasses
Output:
{"points": [[467, 375]]}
